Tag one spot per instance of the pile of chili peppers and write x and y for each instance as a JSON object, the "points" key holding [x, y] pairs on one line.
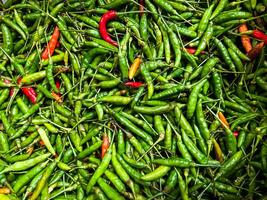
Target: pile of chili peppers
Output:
{"points": [[127, 99]]}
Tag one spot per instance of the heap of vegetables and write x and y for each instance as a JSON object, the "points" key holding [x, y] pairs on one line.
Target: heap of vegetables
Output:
{"points": [[126, 99]]}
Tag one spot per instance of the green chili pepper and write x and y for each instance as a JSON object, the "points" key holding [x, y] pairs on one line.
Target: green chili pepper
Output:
{"points": [[221, 5], [182, 121], [192, 101], [100, 170], [26, 164], [199, 156], [48, 171], [27, 177], [204, 20], [229, 165], [156, 174]]}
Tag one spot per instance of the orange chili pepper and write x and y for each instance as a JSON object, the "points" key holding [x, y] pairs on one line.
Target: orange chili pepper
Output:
{"points": [[57, 97], [30, 150], [223, 120], [52, 44], [105, 145], [134, 67], [41, 142], [245, 38], [218, 151], [5, 190]]}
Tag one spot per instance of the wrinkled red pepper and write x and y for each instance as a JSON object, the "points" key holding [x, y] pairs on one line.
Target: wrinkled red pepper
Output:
{"points": [[260, 35], [253, 53], [29, 92], [108, 16], [52, 44], [134, 84]]}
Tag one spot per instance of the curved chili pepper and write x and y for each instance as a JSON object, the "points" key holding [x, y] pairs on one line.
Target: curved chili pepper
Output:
{"points": [[105, 145], [110, 15], [260, 35], [134, 67], [49, 50], [134, 84], [29, 92], [223, 121]]}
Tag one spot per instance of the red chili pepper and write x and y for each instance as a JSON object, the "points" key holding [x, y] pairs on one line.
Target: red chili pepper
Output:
{"points": [[29, 93], [58, 44], [193, 50], [134, 84], [41, 143], [58, 84], [49, 50], [260, 35], [253, 53], [141, 7], [6, 81], [11, 92], [110, 15], [105, 145], [57, 96], [236, 133]]}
